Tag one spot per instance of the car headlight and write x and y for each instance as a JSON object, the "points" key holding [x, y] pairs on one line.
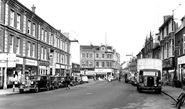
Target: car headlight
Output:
{"points": [[31, 82]]}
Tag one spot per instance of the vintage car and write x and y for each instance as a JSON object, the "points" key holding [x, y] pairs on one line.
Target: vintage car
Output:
{"points": [[35, 83], [60, 80], [54, 82]]}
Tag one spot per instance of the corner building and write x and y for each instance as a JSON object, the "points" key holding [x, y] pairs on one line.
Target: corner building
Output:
{"points": [[40, 49], [101, 61]]}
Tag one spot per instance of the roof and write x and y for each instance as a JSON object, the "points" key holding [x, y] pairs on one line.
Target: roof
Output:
{"points": [[167, 20]]}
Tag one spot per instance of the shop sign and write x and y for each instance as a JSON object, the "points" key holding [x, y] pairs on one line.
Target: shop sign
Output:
{"points": [[57, 66], [7, 60], [168, 63], [31, 62], [41, 63], [103, 70], [181, 60], [19, 60], [62, 66]]}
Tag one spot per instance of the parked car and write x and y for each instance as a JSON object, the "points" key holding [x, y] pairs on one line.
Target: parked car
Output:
{"points": [[60, 80], [35, 83], [54, 82]]}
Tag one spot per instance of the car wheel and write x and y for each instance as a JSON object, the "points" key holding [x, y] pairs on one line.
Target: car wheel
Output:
{"points": [[47, 87], [138, 89], [21, 90], [36, 89]]}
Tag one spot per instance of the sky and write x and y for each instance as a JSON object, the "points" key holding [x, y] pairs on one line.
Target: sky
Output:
{"points": [[123, 24]]}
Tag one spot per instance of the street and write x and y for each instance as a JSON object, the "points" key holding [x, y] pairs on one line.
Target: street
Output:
{"points": [[93, 95]]}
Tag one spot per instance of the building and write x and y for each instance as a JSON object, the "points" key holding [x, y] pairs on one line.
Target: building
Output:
{"points": [[167, 46], [101, 61], [40, 48], [180, 52]]}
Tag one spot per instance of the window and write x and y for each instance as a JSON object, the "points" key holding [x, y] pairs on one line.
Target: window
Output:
{"points": [[42, 53], [87, 63], [33, 29], [18, 44], [12, 18], [28, 49], [18, 21], [83, 55], [29, 27], [45, 36], [90, 55], [42, 34], [45, 54], [51, 39], [87, 55], [97, 64], [97, 55], [62, 58], [91, 64], [107, 64], [103, 55], [11, 43], [33, 50], [103, 64]]}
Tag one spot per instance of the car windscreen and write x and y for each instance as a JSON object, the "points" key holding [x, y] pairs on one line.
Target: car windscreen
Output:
{"points": [[150, 73], [34, 77]]}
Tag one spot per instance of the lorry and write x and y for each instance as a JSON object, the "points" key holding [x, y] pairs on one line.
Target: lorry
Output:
{"points": [[149, 74]]}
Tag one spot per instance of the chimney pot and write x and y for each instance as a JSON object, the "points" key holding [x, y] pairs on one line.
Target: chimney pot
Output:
{"points": [[33, 8]]}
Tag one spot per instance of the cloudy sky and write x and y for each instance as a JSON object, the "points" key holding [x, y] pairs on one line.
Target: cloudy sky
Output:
{"points": [[123, 24]]}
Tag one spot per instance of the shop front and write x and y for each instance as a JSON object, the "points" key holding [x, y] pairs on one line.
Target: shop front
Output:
{"points": [[44, 67], [103, 73], [31, 67], [57, 69], [168, 73], [181, 69]]}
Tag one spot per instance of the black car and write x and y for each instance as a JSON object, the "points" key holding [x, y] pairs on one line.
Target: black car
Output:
{"points": [[35, 83]]}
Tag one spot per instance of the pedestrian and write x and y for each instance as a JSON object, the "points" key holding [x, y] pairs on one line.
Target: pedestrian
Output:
{"points": [[67, 81]]}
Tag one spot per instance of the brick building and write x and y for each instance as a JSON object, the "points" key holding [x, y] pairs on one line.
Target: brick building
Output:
{"points": [[40, 48]]}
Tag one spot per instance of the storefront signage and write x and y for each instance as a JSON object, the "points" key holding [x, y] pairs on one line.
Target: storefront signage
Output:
{"points": [[41, 63], [7, 60], [103, 70], [168, 63], [62, 66], [57, 66], [181, 60], [31, 62], [19, 60]]}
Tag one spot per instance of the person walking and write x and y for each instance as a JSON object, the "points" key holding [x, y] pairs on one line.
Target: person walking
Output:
{"points": [[67, 81]]}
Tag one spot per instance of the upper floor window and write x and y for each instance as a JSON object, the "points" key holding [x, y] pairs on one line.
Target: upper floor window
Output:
{"points": [[45, 54], [87, 55], [107, 64], [29, 27], [97, 55], [83, 55], [18, 45], [97, 64], [12, 18], [90, 55], [45, 36], [33, 30], [42, 53], [18, 21], [11, 43], [29, 49], [33, 50], [103, 55], [103, 64], [42, 34]]}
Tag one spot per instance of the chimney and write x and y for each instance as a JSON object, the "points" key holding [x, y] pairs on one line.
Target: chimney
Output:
{"points": [[33, 9], [183, 21]]}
